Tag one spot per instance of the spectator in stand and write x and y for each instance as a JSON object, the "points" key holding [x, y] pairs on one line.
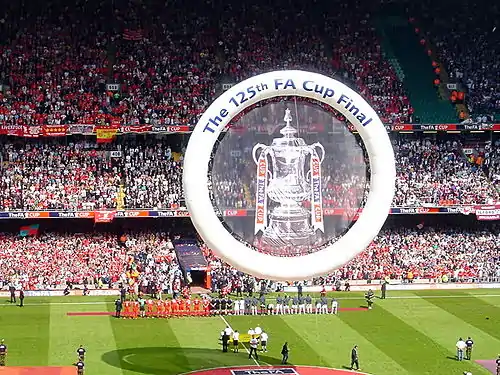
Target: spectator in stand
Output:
{"points": [[492, 163], [153, 177]]}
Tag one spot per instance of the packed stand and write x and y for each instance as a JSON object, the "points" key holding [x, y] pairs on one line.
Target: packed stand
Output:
{"points": [[468, 44], [401, 254], [344, 45], [54, 64], [437, 173], [492, 163], [168, 69], [428, 253], [153, 178], [56, 68], [49, 176], [358, 55], [152, 257], [83, 176], [53, 260]]}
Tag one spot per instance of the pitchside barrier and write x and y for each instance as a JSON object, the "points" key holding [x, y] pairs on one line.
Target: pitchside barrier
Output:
{"points": [[374, 285]]}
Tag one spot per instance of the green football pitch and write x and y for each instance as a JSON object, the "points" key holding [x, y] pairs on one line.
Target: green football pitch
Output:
{"points": [[407, 333]]}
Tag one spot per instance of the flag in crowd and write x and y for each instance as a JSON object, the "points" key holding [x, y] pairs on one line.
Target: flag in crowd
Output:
{"points": [[29, 230], [134, 35]]}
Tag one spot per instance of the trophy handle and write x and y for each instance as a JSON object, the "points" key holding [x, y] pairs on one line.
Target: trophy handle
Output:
{"points": [[257, 147], [320, 146]]}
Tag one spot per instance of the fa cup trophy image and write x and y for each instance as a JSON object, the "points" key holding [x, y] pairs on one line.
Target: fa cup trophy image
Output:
{"points": [[288, 208]]}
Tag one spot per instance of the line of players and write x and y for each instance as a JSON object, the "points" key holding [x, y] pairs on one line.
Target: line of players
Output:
{"points": [[283, 305], [223, 306], [162, 308]]}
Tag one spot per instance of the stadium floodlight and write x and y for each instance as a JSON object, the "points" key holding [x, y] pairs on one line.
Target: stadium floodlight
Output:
{"points": [[288, 171]]}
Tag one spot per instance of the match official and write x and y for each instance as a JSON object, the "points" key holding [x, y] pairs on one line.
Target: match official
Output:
{"points": [[80, 366], [369, 298], [284, 352], [21, 298], [118, 307], [3, 352], [468, 349], [354, 358], [81, 353], [383, 289]]}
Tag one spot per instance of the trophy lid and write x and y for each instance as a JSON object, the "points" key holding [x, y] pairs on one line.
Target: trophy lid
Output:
{"points": [[289, 133]]}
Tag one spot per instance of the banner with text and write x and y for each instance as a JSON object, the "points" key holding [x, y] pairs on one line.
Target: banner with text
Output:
{"points": [[488, 213], [89, 129], [491, 212]]}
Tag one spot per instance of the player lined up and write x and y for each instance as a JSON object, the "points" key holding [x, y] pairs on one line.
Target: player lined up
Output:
{"points": [[286, 305], [162, 308], [205, 306]]}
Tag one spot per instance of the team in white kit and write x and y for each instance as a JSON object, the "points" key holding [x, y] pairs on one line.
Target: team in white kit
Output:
{"points": [[286, 305]]}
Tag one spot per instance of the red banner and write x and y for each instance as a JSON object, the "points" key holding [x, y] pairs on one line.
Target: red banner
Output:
{"points": [[170, 129], [400, 127], [135, 129], [235, 213], [16, 130], [55, 130], [104, 216], [32, 131]]}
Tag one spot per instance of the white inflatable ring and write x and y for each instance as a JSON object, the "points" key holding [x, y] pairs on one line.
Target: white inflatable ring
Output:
{"points": [[266, 86]]}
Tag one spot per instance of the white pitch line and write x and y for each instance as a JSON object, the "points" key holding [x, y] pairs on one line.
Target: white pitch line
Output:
{"points": [[244, 346], [125, 358]]}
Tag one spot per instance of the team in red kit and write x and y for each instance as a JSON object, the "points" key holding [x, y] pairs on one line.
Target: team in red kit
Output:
{"points": [[167, 308]]}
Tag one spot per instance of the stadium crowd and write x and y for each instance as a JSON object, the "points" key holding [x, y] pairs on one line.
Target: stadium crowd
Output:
{"points": [[467, 43], [57, 61], [53, 260], [439, 173], [79, 175]]}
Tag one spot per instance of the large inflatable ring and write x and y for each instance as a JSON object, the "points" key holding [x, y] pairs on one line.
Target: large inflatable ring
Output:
{"points": [[289, 83]]}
